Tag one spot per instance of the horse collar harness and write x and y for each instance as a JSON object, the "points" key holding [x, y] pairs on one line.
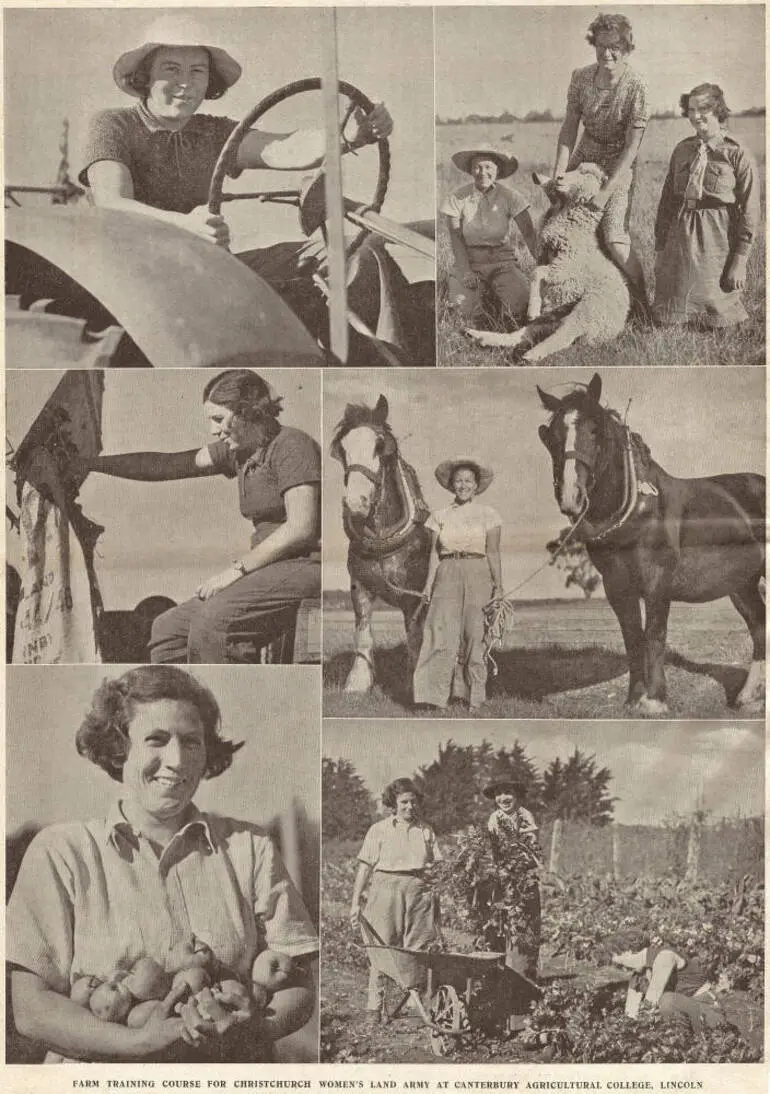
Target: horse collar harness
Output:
{"points": [[635, 489]]}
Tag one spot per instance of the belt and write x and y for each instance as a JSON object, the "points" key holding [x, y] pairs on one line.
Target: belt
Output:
{"points": [[487, 246], [690, 204], [460, 554], [402, 873]]}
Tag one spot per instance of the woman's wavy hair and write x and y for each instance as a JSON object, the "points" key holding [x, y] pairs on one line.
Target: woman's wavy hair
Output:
{"points": [[139, 79], [617, 24], [715, 97], [400, 786], [245, 393], [104, 738]]}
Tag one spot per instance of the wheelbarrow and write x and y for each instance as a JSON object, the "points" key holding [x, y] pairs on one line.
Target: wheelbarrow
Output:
{"points": [[452, 981]]}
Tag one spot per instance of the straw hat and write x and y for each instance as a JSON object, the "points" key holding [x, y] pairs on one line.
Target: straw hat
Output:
{"points": [[506, 165], [498, 786], [445, 473], [174, 30]]}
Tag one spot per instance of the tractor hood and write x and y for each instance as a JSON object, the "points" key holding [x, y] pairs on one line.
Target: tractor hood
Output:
{"points": [[184, 302]]}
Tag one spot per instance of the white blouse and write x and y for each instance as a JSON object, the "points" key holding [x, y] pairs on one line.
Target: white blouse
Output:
{"points": [[463, 527]]}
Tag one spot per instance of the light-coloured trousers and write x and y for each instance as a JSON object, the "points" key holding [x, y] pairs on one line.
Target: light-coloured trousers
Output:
{"points": [[401, 909], [451, 661]]}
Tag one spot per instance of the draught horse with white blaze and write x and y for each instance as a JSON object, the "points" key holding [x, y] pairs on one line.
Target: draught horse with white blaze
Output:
{"points": [[655, 538], [384, 516]]}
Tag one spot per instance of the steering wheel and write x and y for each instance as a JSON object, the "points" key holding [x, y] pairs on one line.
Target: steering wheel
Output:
{"points": [[312, 195]]}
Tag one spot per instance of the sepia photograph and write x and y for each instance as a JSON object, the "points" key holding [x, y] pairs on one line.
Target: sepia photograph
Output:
{"points": [[560, 894], [546, 544], [128, 544], [600, 180], [162, 865], [292, 223]]}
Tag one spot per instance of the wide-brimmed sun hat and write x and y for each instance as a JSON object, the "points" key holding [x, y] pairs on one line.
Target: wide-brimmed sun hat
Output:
{"points": [[174, 30], [499, 786], [506, 165], [446, 469]]}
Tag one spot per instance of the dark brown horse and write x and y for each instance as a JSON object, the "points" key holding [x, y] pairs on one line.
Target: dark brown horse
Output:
{"points": [[384, 515], [655, 538]]}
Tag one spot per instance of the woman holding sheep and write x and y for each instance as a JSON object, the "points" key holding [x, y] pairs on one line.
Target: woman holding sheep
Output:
{"points": [[610, 99]]}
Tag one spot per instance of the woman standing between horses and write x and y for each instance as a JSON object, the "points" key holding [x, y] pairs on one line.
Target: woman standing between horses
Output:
{"points": [[707, 220], [479, 220], [610, 99], [513, 836], [278, 469], [465, 573], [401, 908]]}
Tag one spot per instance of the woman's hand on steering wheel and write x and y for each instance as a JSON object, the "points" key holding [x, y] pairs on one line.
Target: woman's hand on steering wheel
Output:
{"points": [[210, 226], [372, 127]]}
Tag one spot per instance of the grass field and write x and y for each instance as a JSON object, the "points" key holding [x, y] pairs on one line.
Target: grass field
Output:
{"points": [[562, 660], [534, 145]]}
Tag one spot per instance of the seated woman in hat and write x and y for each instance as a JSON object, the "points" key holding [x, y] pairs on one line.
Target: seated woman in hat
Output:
{"points": [[465, 573], [513, 836], [479, 219], [157, 157]]}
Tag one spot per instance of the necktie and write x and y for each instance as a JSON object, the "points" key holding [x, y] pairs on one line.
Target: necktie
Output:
{"points": [[694, 189]]}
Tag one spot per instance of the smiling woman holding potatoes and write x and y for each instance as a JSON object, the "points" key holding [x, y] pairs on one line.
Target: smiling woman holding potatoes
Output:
{"points": [[160, 933]]}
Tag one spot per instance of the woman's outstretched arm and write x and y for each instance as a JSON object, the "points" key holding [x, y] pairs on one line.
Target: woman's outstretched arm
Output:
{"points": [[362, 876], [149, 466]]}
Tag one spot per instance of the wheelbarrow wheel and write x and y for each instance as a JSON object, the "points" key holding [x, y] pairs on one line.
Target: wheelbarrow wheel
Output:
{"points": [[447, 1012]]}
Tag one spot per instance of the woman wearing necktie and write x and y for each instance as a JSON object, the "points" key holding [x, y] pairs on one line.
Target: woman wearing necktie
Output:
{"points": [[707, 220]]}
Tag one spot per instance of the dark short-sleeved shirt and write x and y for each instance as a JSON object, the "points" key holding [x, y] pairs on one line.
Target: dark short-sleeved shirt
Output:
{"points": [[688, 979], [291, 459], [169, 170]]}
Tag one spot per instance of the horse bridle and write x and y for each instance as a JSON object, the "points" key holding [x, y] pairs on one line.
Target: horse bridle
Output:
{"points": [[375, 477]]}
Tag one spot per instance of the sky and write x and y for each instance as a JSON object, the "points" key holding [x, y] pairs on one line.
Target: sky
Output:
{"points": [[490, 59], [659, 769], [58, 64], [696, 421], [48, 782], [160, 538]]}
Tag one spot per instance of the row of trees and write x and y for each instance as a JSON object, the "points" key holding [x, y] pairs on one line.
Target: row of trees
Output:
{"points": [[506, 118], [575, 789]]}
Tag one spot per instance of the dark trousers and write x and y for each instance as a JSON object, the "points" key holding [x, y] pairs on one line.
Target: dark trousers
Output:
{"points": [[253, 608]]}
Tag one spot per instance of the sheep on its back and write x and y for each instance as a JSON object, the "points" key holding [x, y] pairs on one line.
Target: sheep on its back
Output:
{"points": [[576, 290]]}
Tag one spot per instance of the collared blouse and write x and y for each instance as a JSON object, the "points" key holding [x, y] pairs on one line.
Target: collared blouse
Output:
{"points": [[94, 897], [606, 113], [730, 179], [484, 219], [392, 846], [463, 527]]}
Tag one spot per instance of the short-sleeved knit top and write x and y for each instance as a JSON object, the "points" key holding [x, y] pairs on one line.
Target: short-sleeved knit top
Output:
{"points": [[292, 458], [169, 170], [484, 218], [607, 114], [463, 527]]}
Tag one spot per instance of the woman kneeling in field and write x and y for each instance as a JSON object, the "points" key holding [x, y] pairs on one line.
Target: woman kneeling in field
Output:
{"points": [[707, 219], [680, 989]]}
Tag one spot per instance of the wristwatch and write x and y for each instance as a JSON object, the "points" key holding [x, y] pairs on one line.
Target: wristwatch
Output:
{"points": [[240, 565]]}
